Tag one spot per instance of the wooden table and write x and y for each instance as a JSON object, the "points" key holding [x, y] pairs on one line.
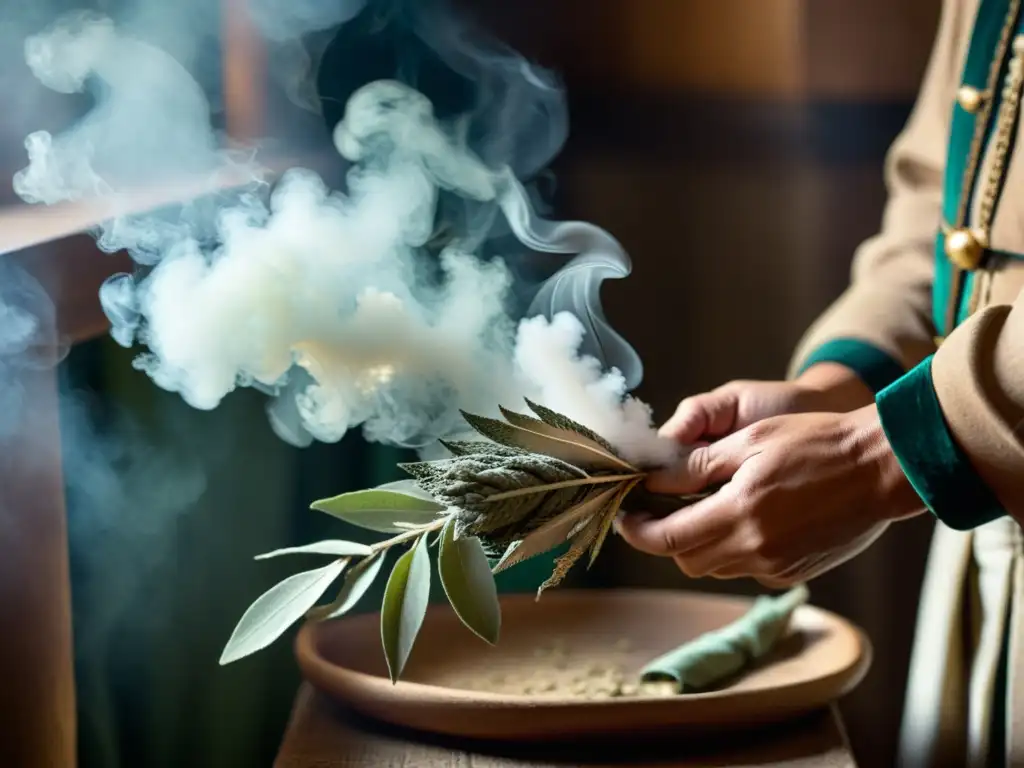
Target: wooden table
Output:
{"points": [[323, 735]]}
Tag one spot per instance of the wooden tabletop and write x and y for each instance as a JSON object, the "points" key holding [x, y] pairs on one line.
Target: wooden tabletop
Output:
{"points": [[323, 735]]}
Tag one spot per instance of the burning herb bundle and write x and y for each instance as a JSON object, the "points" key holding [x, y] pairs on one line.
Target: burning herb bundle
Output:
{"points": [[530, 485]]}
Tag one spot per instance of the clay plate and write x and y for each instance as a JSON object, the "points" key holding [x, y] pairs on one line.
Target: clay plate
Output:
{"points": [[822, 658]]}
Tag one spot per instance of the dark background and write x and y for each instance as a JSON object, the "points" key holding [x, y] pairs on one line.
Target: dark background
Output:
{"points": [[734, 147]]}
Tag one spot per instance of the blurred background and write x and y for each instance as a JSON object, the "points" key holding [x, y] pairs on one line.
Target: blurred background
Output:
{"points": [[735, 147]]}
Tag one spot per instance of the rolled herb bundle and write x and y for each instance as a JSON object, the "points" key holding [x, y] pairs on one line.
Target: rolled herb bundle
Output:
{"points": [[531, 484]]}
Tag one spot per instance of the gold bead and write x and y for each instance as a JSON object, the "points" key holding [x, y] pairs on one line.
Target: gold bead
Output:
{"points": [[969, 98], [964, 249]]}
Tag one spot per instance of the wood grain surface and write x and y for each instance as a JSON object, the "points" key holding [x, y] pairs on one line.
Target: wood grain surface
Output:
{"points": [[322, 735]]}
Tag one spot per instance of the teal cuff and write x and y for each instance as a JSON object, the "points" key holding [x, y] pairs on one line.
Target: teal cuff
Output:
{"points": [[877, 369], [936, 466]]}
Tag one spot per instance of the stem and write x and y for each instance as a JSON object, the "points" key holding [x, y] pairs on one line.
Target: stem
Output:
{"points": [[564, 484], [414, 533]]}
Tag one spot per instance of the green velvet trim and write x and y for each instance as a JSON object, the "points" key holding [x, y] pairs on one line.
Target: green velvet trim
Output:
{"points": [[873, 366], [936, 466], [985, 36], [988, 24], [941, 285]]}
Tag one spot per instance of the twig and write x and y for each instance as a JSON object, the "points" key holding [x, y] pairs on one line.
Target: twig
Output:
{"points": [[380, 546]]}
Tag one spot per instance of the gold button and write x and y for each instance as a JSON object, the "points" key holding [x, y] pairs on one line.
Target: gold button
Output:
{"points": [[969, 98], [964, 248]]}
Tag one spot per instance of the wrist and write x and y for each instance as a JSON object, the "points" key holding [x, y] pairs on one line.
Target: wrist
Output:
{"points": [[871, 450], [834, 388]]}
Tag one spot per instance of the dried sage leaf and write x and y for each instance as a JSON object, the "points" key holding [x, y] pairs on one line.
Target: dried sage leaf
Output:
{"points": [[609, 517], [379, 509], [358, 579], [580, 452], [331, 547], [277, 609], [405, 606], [476, 447], [531, 488], [556, 531], [558, 421], [580, 543], [469, 584]]}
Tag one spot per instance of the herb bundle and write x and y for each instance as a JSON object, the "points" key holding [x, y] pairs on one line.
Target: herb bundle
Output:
{"points": [[531, 484]]}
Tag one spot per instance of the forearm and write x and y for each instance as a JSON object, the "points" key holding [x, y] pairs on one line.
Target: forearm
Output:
{"points": [[840, 388]]}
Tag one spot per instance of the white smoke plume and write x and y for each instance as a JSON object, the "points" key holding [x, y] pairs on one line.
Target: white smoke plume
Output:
{"points": [[339, 304]]}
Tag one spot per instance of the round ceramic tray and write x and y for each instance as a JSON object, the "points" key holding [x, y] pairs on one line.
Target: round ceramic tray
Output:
{"points": [[822, 658]]}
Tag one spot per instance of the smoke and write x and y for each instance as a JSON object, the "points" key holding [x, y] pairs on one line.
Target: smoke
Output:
{"points": [[428, 284]]}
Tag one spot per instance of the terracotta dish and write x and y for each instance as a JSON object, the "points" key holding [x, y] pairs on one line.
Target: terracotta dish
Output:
{"points": [[822, 658]]}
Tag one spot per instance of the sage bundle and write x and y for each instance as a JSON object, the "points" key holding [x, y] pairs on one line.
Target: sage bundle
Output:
{"points": [[532, 483]]}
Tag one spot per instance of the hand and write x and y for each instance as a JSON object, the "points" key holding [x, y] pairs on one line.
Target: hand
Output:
{"points": [[802, 494], [826, 387]]}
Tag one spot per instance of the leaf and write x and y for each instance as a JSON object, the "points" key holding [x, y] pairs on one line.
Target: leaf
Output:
{"points": [[466, 483], [405, 605], [408, 487], [579, 452], [357, 581], [580, 544], [558, 421], [609, 517], [277, 609], [473, 447], [337, 548], [555, 532], [558, 426], [469, 584], [380, 508]]}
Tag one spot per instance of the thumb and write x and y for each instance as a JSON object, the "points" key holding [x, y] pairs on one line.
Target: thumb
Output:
{"points": [[710, 414], [703, 466]]}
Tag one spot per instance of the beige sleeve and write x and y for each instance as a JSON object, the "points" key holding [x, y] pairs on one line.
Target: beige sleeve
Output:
{"points": [[978, 375], [888, 305]]}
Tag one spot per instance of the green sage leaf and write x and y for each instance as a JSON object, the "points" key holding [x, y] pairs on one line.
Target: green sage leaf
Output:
{"points": [[405, 606], [469, 584], [277, 609], [379, 509], [359, 579], [336, 548]]}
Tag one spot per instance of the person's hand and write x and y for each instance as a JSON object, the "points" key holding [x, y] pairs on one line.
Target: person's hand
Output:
{"points": [[803, 493], [822, 388]]}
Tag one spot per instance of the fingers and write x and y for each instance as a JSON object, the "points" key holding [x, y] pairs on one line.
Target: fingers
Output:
{"points": [[708, 415], [703, 466], [683, 531]]}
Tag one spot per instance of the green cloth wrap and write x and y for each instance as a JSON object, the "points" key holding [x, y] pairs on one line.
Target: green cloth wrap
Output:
{"points": [[935, 465], [876, 368], [720, 655]]}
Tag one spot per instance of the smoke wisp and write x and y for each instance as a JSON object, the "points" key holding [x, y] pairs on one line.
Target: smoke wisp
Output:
{"points": [[387, 305]]}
